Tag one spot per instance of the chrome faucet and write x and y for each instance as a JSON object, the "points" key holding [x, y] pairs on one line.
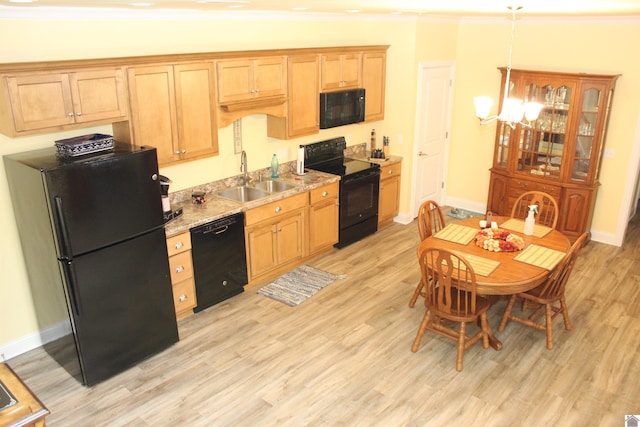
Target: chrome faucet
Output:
{"points": [[243, 168]]}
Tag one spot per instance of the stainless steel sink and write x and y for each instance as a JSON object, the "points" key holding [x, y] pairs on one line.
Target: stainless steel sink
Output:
{"points": [[273, 186], [243, 194]]}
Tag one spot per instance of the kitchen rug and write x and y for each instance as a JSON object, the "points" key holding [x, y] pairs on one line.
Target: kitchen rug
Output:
{"points": [[296, 286]]}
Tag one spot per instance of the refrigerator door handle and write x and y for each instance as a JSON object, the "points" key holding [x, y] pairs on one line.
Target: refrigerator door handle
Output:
{"points": [[70, 278], [62, 225]]}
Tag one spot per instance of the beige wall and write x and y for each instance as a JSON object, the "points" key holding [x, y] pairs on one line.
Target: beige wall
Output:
{"points": [[599, 48], [477, 48]]}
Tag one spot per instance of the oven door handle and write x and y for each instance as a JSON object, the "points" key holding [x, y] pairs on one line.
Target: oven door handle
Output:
{"points": [[349, 179]]}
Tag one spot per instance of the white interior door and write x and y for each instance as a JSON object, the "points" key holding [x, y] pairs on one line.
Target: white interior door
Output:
{"points": [[435, 88]]}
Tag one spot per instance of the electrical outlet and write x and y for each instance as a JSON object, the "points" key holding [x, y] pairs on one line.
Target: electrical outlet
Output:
{"points": [[399, 140], [237, 136]]}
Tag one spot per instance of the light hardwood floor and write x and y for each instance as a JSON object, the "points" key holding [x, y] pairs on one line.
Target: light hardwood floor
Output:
{"points": [[342, 358]]}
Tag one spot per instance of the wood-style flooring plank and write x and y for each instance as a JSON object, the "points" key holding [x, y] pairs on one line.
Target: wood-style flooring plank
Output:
{"points": [[342, 358]]}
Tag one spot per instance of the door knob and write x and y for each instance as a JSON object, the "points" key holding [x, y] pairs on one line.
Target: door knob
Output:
{"points": [[422, 154]]}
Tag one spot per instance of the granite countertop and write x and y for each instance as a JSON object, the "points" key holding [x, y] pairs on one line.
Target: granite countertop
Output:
{"points": [[360, 152], [217, 207]]}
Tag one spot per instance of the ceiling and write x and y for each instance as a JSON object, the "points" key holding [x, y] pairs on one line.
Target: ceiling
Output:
{"points": [[416, 8]]}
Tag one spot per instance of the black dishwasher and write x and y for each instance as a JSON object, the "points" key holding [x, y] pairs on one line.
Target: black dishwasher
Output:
{"points": [[219, 260]]}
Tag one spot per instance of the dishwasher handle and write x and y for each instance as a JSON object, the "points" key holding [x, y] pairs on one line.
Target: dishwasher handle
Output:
{"points": [[219, 226], [218, 230]]}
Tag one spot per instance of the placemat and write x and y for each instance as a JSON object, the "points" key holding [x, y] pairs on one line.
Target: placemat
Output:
{"points": [[457, 233], [540, 256], [481, 266], [515, 224]]}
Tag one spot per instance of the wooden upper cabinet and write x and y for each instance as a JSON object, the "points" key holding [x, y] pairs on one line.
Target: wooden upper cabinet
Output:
{"points": [[374, 66], [173, 109], [59, 100], [249, 79], [303, 103], [341, 71]]}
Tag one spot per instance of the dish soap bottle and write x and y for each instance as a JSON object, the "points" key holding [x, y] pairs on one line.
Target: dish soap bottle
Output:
{"points": [[530, 222], [274, 166]]}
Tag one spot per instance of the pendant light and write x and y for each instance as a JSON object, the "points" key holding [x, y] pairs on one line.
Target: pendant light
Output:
{"points": [[513, 110]]}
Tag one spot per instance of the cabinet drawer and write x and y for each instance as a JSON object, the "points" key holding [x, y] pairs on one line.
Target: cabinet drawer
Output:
{"points": [[178, 243], [276, 209], [391, 170], [184, 295], [519, 186], [180, 266], [324, 193]]}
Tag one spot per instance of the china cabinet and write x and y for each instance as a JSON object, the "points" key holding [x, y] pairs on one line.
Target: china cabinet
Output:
{"points": [[559, 153]]}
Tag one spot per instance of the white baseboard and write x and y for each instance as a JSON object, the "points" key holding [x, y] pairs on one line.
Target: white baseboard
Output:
{"points": [[34, 340], [403, 219]]}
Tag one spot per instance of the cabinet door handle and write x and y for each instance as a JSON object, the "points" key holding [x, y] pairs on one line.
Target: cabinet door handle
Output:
{"points": [[78, 113], [325, 194], [182, 298], [70, 114], [390, 172], [278, 209], [179, 269], [179, 245]]}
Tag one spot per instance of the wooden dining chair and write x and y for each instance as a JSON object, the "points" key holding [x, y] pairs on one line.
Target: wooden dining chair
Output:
{"points": [[545, 297], [547, 208], [430, 221], [451, 297]]}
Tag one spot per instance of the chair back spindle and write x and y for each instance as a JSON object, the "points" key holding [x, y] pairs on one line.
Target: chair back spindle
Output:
{"points": [[547, 207]]}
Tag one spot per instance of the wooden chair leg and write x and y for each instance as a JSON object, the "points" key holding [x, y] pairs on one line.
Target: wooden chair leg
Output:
{"points": [[507, 313], [565, 314], [461, 345], [486, 330], [421, 330], [548, 312], [416, 294]]}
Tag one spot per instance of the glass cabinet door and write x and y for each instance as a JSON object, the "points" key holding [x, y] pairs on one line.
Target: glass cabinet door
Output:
{"points": [[501, 155], [585, 135], [541, 147]]}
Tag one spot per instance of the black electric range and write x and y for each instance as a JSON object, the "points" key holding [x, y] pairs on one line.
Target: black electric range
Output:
{"points": [[359, 187]]}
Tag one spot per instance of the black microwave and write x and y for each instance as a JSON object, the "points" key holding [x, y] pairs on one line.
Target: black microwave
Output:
{"points": [[341, 108]]}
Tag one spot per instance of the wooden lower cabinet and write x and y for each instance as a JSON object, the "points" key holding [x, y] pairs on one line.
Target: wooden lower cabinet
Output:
{"points": [[324, 217], [389, 201], [181, 267], [274, 236]]}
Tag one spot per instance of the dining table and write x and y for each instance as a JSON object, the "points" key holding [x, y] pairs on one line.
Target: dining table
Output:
{"points": [[503, 272]]}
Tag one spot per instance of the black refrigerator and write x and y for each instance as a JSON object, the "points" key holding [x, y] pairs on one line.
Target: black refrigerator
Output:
{"points": [[91, 227]]}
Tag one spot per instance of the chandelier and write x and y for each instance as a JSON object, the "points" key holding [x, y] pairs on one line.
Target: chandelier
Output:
{"points": [[513, 110]]}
